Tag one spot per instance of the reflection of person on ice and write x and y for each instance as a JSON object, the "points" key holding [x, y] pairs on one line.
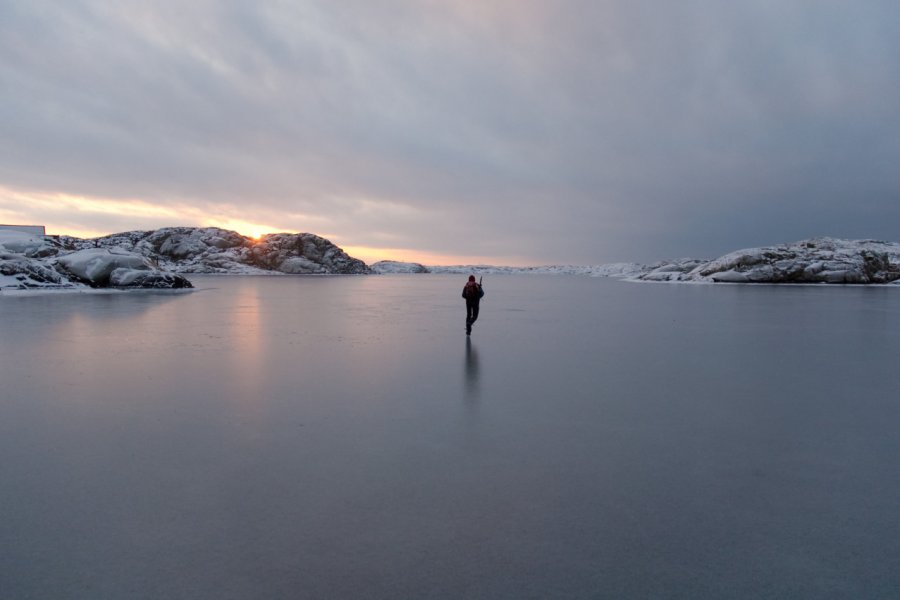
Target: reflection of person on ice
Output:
{"points": [[472, 292]]}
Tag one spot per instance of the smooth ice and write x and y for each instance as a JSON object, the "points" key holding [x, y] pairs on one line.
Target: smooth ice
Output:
{"points": [[341, 437]]}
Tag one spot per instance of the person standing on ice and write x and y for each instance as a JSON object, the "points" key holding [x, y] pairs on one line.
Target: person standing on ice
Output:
{"points": [[473, 293]]}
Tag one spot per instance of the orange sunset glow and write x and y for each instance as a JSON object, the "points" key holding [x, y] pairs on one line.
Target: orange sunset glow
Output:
{"points": [[68, 214]]}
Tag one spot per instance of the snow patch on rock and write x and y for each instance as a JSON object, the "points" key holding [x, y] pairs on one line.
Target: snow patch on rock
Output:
{"points": [[26, 244], [95, 266]]}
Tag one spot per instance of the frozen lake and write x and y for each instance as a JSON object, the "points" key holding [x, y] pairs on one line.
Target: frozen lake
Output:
{"points": [[340, 437]]}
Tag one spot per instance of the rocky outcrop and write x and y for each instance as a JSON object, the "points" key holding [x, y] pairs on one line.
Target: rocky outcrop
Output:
{"points": [[154, 258], [36, 262], [817, 260], [115, 267], [214, 250], [20, 272], [303, 253]]}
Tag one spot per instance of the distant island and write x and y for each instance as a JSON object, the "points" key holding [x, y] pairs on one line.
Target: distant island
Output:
{"points": [[161, 258]]}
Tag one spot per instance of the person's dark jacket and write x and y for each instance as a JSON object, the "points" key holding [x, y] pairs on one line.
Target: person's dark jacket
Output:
{"points": [[472, 292]]}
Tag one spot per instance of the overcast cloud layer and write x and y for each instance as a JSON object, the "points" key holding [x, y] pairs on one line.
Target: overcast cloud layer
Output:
{"points": [[510, 131]]}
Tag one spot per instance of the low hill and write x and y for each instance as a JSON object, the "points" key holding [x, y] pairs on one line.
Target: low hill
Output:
{"points": [[214, 250]]}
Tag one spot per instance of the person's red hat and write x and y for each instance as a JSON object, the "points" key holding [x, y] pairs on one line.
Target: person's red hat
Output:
{"points": [[471, 278]]}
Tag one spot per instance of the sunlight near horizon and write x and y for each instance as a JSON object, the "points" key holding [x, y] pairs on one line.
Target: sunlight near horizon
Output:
{"points": [[55, 210], [90, 217], [252, 230]]}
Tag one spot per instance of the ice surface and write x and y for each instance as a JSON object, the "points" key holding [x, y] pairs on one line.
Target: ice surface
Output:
{"points": [[339, 437]]}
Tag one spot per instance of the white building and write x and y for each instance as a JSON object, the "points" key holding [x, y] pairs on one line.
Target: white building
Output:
{"points": [[32, 229]]}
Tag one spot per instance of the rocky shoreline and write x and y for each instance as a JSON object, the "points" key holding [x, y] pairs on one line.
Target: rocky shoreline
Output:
{"points": [[159, 259], [817, 260]]}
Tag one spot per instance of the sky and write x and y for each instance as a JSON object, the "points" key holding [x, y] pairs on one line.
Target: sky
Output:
{"points": [[505, 132]]}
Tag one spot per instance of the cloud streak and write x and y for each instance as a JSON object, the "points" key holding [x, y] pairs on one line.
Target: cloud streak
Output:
{"points": [[608, 130]]}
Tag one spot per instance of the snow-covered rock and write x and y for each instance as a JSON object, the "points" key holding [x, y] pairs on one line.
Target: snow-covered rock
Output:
{"points": [[621, 269], [141, 258], [21, 272], [393, 266], [817, 260], [146, 278], [214, 250], [103, 267], [95, 265], [676, 270], [23, 264], [303, 253], [37, 262], [27, 244], [150, 258]]}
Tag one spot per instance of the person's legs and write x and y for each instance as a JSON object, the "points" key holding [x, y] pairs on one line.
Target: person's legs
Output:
{"points": [[471, 313]]}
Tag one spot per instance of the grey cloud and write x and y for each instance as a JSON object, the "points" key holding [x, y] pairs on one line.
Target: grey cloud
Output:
{"points": [[621, 130]]}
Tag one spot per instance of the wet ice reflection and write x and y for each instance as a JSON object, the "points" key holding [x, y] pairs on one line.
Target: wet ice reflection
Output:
{"points": [[471, 369], [316, 437]]}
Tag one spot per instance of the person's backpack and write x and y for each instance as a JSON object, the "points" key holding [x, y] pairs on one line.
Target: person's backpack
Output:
{"points": [[472, 291]]}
